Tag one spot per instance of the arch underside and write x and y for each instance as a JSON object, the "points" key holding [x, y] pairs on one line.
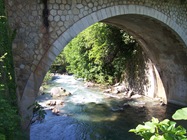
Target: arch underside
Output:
{"points": [[165, 49]]}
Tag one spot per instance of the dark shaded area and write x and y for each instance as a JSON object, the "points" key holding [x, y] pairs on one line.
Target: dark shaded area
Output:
{"points": [[135, 71], [58, 69], [45, 14]]}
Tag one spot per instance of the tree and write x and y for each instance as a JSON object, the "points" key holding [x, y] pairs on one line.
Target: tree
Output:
{"points": [[98, 54]]}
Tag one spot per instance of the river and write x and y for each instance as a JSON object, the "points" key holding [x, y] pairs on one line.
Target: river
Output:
{"points": [[88, 114]]}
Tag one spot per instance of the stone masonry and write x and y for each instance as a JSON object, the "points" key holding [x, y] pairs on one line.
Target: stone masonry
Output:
{"points": [[46, 26]]}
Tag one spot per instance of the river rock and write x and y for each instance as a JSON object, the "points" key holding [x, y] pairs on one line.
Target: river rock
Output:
{"points": [[55, 111], [130, 93], [41, 91], [115, 91], [51, 103], [89, 84], [59, 91], [54, 102], [120, 88], [136, 96], [55, 77], [107, 91], [59, 102], [117, 84], [126, 105], [56, 91], [67, 93]]}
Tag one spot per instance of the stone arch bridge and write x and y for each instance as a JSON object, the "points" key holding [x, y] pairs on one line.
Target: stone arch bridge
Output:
{"points": [[46, 26]]}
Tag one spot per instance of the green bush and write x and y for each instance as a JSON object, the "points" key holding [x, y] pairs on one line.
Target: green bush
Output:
{"points": [[9, 120], [164, 130]]}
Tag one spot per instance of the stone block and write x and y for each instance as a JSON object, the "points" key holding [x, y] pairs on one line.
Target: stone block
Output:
{"points": [[56, 48], [104, 14], [85, 22], [75, 11], [117, 9], [113, 12], [94, 17], [99, 15]]}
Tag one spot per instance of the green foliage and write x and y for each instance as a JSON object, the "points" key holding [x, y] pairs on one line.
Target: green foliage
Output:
{"points": [[38, 112], [47, 77], [180, 114], [9, 119], [2, 137], [98, 54], [7, 74], [164, 130], [59, 65]]}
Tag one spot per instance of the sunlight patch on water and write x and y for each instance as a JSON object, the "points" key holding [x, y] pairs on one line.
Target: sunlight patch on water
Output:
{"points": [[96, 118]]}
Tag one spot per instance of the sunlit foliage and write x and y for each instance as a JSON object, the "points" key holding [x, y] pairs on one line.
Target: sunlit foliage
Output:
{"points": [[98, 54]]}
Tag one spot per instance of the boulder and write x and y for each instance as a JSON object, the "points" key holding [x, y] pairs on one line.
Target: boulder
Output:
{"points": [[57, 91], [120, 88]]}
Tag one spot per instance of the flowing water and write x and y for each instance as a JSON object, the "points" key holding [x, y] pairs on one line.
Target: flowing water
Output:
{"points": [[88, 114]]}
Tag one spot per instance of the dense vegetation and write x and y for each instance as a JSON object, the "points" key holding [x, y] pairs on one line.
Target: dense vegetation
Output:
{"points": [[99, 53], [9, 118]]}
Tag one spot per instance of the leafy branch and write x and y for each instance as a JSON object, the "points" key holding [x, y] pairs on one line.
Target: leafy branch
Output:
{"points": [[38, 112], [163, 130]]}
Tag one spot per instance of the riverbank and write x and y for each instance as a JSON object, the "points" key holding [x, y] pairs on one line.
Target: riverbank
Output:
{"points": [[53, 98]]}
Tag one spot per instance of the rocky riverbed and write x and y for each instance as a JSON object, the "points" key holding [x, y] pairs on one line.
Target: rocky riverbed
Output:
{"points": [[76, 111]]}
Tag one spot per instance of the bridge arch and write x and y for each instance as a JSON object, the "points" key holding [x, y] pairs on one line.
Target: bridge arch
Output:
{"points": [[168, 54]]}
